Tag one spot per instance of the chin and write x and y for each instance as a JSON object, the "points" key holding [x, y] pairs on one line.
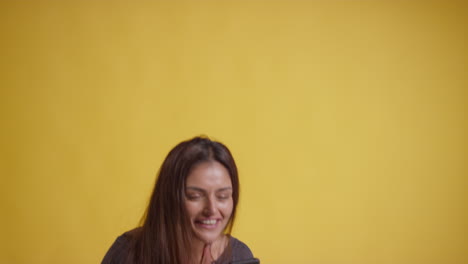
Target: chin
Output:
{"points": [[208, 238], [208, 234]]}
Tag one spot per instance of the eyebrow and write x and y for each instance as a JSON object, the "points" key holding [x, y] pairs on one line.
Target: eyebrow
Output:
{"points": [[203, 190]]}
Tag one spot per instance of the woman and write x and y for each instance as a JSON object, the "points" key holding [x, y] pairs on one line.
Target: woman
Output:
{"points": [[191, 211]]}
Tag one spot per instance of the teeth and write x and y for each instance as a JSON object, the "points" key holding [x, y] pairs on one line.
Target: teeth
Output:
{"points": [[209, 222]]}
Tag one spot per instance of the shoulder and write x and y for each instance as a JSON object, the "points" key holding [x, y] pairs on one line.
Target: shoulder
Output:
{"points": [[240, 251], [127, 237], [119, 250]]}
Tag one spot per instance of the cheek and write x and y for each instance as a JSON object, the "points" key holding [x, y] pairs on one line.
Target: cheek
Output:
{"points": [[226, 209], [193, 209]]}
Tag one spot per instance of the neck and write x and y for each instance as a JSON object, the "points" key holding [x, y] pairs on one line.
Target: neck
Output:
{"points": [[216, 248], [197, 250]]}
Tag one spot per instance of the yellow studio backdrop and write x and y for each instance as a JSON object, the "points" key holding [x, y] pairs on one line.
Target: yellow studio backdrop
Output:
{"points": [[348, 120]]}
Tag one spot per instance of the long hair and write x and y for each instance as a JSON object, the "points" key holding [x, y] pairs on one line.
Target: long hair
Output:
{"points": [[165, 236]]}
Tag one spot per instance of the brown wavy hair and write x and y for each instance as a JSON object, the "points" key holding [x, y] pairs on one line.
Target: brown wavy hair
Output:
{"points": [[165, 235]]}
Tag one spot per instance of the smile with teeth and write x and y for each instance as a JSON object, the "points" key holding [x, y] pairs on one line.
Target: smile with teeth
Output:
{"points": [[207, 222]]}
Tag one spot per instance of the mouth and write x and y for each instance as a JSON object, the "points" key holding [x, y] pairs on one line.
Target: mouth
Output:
{"points": [[207, 223]]}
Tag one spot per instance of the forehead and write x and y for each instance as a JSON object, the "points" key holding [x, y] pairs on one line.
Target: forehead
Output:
{"points": [[210, 174]]}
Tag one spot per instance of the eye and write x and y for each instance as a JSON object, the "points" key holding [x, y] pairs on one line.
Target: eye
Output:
{"points": [[224, 196], [194, 196]]}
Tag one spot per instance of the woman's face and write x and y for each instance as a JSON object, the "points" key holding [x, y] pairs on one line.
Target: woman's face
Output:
{"points": [[208, 200]]}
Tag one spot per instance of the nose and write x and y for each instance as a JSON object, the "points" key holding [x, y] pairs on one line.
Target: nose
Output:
{"points": [[210, 207]]}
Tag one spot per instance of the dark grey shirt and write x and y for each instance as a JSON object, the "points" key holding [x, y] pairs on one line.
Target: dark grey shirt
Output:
{"points": [[117, 253]]}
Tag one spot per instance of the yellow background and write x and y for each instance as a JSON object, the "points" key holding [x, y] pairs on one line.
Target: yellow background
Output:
{"points": [[348, 120]]}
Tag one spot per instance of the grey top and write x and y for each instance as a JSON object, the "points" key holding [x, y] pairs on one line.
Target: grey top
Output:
{"points": [[119, 250]]}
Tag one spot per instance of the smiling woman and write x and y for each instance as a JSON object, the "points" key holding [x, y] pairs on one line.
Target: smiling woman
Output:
{"points": [[209, 200], [191, 212]]}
